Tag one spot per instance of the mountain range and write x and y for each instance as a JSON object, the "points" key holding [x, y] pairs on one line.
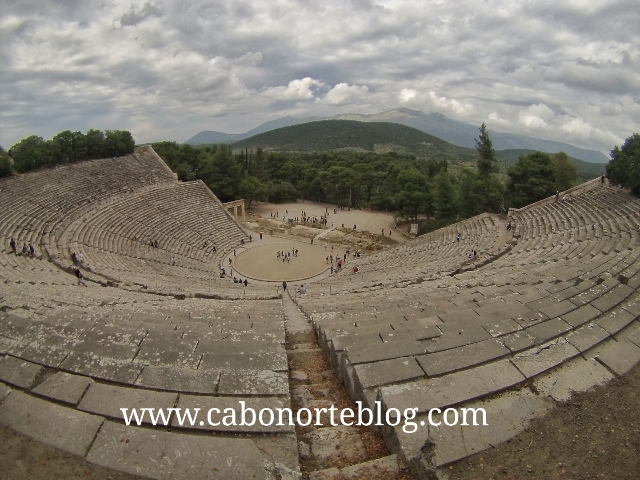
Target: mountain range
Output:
{"points": [[435, 124]]}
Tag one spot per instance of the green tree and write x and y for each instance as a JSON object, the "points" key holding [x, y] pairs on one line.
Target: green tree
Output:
{"points": [[5, 164], [280, 191], [469, 196], [251, 188], [566, 172], [66, 148], [624, 167], [259, 169], [222, 174], [117, 143], [184, 172], [444, 196], [29, 153], [413, 196], [487, 162], [532, 178], [94, 141], [491, 194]]}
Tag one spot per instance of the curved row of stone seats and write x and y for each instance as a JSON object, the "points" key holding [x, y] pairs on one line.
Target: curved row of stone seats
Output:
{"points": [[36, 203], [360, 312], [115, 239], [98, 207], [430, 256], [156, 452], [493, 341], [73, 371], [34, 206], [572, 294], [232, 335]]}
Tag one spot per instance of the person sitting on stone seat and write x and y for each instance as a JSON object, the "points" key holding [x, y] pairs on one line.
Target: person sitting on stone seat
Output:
{"points": [[25, 249], [302, 290], [32, 250], [14, 246]]}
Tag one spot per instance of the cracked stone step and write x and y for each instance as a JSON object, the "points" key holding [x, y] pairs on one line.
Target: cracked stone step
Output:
{"points": [[62, 427]]}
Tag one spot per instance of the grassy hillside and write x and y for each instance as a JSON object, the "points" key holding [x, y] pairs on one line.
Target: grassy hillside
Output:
{"points": [[332, 135], [328, 135]]}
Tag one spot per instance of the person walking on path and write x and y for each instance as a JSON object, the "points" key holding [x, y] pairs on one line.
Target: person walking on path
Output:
{"points": [[284, 286]]}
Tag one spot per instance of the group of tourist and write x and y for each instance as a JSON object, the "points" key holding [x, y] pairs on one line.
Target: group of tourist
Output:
{"points": [[30, 250], [286, 256], [304, 218]]}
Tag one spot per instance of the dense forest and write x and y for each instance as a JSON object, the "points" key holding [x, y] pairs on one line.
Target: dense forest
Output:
{"points": [[66, 147], [404, 184]]}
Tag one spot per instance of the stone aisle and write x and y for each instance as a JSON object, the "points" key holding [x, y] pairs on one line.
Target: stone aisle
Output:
{"points": [[329, 452]]}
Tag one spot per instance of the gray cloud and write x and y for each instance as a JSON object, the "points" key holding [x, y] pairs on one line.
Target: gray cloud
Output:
{"points": [[564, 69], [134, 16]]}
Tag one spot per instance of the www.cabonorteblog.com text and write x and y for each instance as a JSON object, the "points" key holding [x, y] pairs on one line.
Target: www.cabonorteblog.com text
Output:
{"points": [[247, 416]]}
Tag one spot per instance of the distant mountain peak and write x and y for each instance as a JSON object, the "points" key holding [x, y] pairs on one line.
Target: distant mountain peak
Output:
{"points": [[407, 111], [433, 123]]}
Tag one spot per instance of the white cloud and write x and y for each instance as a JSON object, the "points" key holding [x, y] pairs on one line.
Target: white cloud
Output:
{"points": [[564, 126], [345, 94], [407, 94], [497, 120], [536, 117], [449, 104], [302, 89]]}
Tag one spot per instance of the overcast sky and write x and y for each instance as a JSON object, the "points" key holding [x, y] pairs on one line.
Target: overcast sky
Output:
{"points": [[566, 70]]}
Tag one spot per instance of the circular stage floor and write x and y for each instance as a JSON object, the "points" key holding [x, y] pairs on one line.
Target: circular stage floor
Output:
{"points": [[260, 262]]}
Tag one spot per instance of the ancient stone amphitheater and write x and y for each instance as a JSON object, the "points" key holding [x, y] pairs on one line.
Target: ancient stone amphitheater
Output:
{"points": [[543, 310]]}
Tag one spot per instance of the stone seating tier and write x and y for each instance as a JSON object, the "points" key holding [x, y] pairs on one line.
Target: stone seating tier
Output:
{"points": [[74, 370]]}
